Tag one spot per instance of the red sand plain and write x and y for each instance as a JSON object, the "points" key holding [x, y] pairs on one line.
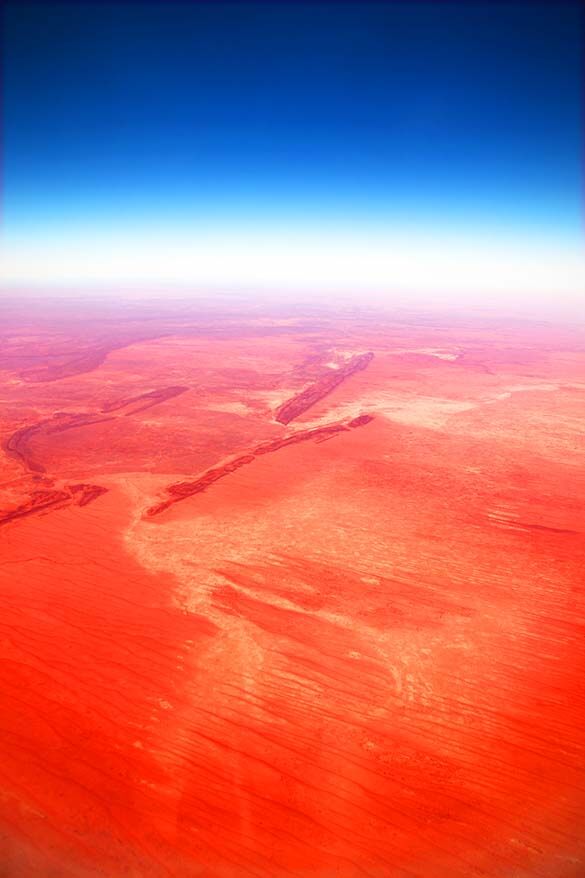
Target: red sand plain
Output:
{"points": [[290, 592]]}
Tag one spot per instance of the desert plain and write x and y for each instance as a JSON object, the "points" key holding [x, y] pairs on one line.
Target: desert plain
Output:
{"points": [[290, 591]]}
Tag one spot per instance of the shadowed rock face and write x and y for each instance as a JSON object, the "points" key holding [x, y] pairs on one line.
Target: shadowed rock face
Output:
{"points": [[183, 490], [144, 401], [321, 388], [44, 501], [274, 608]]}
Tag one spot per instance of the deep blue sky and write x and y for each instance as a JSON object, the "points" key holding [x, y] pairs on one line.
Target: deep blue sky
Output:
{"points": [[450, 113]]}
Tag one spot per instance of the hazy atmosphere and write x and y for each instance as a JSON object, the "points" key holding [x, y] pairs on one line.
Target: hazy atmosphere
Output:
{"points": [[408, 148]]}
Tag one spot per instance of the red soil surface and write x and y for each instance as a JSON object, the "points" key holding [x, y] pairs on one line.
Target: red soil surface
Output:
{"points": [[290, 592]]}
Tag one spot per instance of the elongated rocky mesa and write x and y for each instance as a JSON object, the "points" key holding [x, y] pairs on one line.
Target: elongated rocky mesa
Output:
{"points": [[144, 401], [321, 388], [16, 446], [47, 500], [182, 490]]}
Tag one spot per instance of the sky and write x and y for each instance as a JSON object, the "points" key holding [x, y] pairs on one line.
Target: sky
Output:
{"points": [[414, 146]]}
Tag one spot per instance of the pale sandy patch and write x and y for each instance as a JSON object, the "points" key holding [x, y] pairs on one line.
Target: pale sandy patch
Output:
{"points": [[439, 353], [420, 411], [231, 408]]}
